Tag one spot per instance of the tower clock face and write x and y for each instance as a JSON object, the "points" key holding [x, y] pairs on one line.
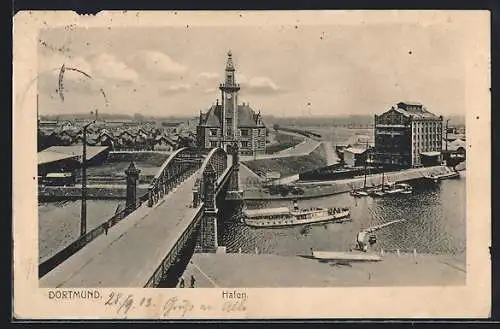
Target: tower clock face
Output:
{"points": [[228, 96]]}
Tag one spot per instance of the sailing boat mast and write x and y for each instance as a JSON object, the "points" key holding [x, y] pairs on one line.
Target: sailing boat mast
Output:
{"points": [[383, 181]]}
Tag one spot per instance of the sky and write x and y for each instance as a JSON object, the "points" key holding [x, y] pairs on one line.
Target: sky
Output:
{"points": [[290, 70]]}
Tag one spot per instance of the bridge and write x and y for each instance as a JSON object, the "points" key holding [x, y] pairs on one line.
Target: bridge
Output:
{"points": [[180, 214]]}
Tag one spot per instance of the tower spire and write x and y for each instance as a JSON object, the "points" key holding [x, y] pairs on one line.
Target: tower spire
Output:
{"points": [[229, 63]]}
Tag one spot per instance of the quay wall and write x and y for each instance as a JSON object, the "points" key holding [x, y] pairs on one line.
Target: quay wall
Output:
{"points": [[55, 193], [326, 188], [403, 269]]}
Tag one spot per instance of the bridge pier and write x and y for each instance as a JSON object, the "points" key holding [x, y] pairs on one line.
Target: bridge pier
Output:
{"points": [[207, 238], [234, 192]]}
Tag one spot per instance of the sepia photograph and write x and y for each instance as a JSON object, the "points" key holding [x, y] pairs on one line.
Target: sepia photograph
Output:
{"points": [[294, 153]]}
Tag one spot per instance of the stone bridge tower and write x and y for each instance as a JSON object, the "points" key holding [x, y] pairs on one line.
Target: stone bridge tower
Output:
{"points": [[132, 176]]}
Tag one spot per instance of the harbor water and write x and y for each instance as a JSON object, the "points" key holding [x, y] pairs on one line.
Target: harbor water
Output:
{"points": [[434, 214], [59, 222]]}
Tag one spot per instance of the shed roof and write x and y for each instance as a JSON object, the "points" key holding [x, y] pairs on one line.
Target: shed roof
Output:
{"points": [[75, 151], [46, 156]]}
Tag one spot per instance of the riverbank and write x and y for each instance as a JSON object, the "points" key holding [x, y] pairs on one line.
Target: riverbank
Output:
{"points": [[405, 269], [325, 188], [309, 156]]}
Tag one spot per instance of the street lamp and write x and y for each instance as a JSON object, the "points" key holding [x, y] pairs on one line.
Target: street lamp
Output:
{"points": [[83, 219]]}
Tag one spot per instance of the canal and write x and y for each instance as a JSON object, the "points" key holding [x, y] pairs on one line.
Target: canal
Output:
{"points": [[59, 222]]}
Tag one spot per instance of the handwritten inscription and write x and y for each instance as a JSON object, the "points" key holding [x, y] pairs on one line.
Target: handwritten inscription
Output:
{"points": [[174, 307]]}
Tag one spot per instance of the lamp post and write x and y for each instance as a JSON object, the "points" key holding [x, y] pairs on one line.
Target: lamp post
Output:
{"points": [[446, 138], [83, 217]]}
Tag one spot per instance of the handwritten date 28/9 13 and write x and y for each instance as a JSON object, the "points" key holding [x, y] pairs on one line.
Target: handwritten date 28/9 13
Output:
{"points": [[173, 307]]}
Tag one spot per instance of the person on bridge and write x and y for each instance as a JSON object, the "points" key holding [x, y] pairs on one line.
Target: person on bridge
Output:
{"points": [[181, 282], [106, 227], [192, 281]]}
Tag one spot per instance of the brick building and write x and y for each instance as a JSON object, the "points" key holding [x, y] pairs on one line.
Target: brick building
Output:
{"points": [[229, 122], [407, 135]]}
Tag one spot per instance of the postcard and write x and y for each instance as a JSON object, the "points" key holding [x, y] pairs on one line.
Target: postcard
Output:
{"points": [[251, 165]]}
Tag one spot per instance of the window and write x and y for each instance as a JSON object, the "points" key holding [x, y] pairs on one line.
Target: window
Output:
{"points": [[244, 132], [213, 132], [213, 144], [244, 143]]}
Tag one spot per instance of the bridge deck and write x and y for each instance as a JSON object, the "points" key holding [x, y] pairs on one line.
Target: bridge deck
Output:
{"points": [[132, 251]]}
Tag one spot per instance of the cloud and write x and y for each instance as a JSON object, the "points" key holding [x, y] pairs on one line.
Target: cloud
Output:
{"points": [[241, 79], [210, 91], [156, 64], [259, 85], [210, 76], [174, 89], [78, 76], [54, 61], [109, 67]]}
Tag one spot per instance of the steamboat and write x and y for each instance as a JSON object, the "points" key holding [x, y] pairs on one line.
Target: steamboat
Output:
{"points": [[283, 216]]}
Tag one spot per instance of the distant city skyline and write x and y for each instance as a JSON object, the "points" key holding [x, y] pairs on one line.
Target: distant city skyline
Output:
{"points": [[283, 70]]}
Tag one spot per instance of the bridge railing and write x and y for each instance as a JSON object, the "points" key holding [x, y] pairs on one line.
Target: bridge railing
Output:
{"points": [[171, 258], [179, 165], [54, 261]]}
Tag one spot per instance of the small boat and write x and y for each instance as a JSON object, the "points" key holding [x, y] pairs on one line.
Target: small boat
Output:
{"points": [[407, 189], [359, 193], [283, 216], [438, 177], [346, 256], [393, 189]]}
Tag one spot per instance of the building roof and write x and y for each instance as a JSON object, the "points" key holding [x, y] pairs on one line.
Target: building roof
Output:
{"points": [[431, 154], [419, 113], [48, 122], [164, 138], [171, 124], [452, 136], [76, 151], [359, 140], [355, 150], [411, 103], [247, 117], [47, 156], [454, 145]]}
